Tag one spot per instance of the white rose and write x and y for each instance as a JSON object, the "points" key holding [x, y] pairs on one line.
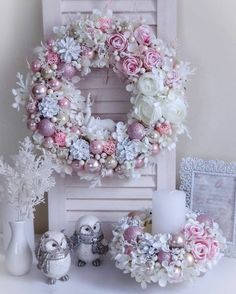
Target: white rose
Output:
{"points": [[175, 111], [150, 84], [148, 110]]}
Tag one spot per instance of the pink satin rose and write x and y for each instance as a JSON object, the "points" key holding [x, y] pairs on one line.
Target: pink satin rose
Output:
{"points": [[60, 139], [118, 42], [194, 231], [151, 58], [143, 35], [104, 23], [215, 248], [172, 78], [164, 128], [201, 249], [131, 65]]}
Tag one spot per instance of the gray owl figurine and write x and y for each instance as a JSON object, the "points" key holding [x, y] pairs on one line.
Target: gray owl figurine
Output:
{"points": [[89, 241], [53, 255]]}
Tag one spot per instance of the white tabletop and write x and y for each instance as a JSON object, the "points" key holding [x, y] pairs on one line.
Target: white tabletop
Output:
{"points": [[109, 280]]}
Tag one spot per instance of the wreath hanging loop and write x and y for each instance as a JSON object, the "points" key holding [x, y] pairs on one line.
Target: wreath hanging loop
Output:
{"points": [[60, 117]]}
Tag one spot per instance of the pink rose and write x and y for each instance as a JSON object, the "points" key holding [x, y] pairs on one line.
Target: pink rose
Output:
{"points": [[131, 65], [164, 128], [118, 42], [215, 248], [201, 249], [104, 23], [143, 35], [60, 139], [194, 231], [172, 78], [151, 58]]}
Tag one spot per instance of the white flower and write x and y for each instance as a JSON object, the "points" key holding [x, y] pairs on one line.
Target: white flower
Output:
{"points": [[80, 150], [68, 49], [151, 83], [148, 110], [175, 111], [127, 150], [48, 107]]}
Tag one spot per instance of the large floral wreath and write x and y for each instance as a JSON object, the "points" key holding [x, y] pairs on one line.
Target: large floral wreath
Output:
{"points": [[60, 116]]}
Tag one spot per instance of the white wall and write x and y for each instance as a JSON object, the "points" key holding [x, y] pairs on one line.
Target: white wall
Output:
{"points": [[206, 37]]}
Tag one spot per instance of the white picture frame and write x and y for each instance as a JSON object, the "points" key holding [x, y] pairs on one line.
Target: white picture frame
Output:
{"points": [[210, 187]]}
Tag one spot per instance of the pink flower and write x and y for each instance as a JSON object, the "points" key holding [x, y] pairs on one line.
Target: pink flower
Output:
{"points": [[143, 35], [172, 78], [151, 58], [60, 139], [194, 231], [201, 249], [118, 42], [52, 58], [215, 248], [104, 23], [164, 128], [131, 65]]}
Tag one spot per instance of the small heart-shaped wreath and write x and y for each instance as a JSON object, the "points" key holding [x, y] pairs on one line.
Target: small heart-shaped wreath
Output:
{"points": [[60, 117]]}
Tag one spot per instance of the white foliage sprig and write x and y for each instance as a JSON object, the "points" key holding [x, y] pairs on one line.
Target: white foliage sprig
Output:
{"points": [[26, 181]]}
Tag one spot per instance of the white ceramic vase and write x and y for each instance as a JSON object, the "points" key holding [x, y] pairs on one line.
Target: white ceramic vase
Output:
{"points": [[19, 255]]}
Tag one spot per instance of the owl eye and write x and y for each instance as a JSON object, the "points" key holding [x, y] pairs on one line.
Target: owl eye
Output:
{"points": [[87, 229], [54, 245], [96, 227]]}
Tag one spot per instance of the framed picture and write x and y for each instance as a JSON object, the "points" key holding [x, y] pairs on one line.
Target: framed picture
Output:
{"points": [[210, 187]]}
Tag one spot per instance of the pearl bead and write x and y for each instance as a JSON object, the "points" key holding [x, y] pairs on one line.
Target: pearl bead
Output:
{"points": [[63, 118], [189, 260], [64, 103], [154, 136], [164, 256], [31, 125], [139, 163], [46, 128], [92, 165], [155, 149], [177, 241], [117, 58], [111, 162], [54, 49], [47, 73], [55, 84]]}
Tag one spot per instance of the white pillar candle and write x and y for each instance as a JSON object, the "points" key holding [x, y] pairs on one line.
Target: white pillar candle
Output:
{"points": [[168, 211]]}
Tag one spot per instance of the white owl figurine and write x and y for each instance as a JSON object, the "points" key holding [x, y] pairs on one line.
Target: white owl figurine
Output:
{"points": [[89, 241], [53, 255]]}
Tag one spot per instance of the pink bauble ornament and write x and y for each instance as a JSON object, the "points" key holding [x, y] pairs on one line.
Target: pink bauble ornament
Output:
{"points": [[96, 147], [132, 233], [136, 131], [31, 125], [92, 166], [39, 91], [155, 149], [164, 256], [77, 166], [50, 43], [35, 65], [54, 84], [109, 147], [67, 70], [48, 142], [177, 240], [206, 219], [64, 103], [76, 130], [46, 128], [139, 163], [31, 107]]}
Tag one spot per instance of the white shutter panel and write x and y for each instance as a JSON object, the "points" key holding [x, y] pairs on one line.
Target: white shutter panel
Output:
{"points": [[72, 198]]}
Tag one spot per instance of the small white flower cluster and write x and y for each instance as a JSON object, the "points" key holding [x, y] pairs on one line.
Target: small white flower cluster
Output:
{"points": [[155, 258], [48, 107]]}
